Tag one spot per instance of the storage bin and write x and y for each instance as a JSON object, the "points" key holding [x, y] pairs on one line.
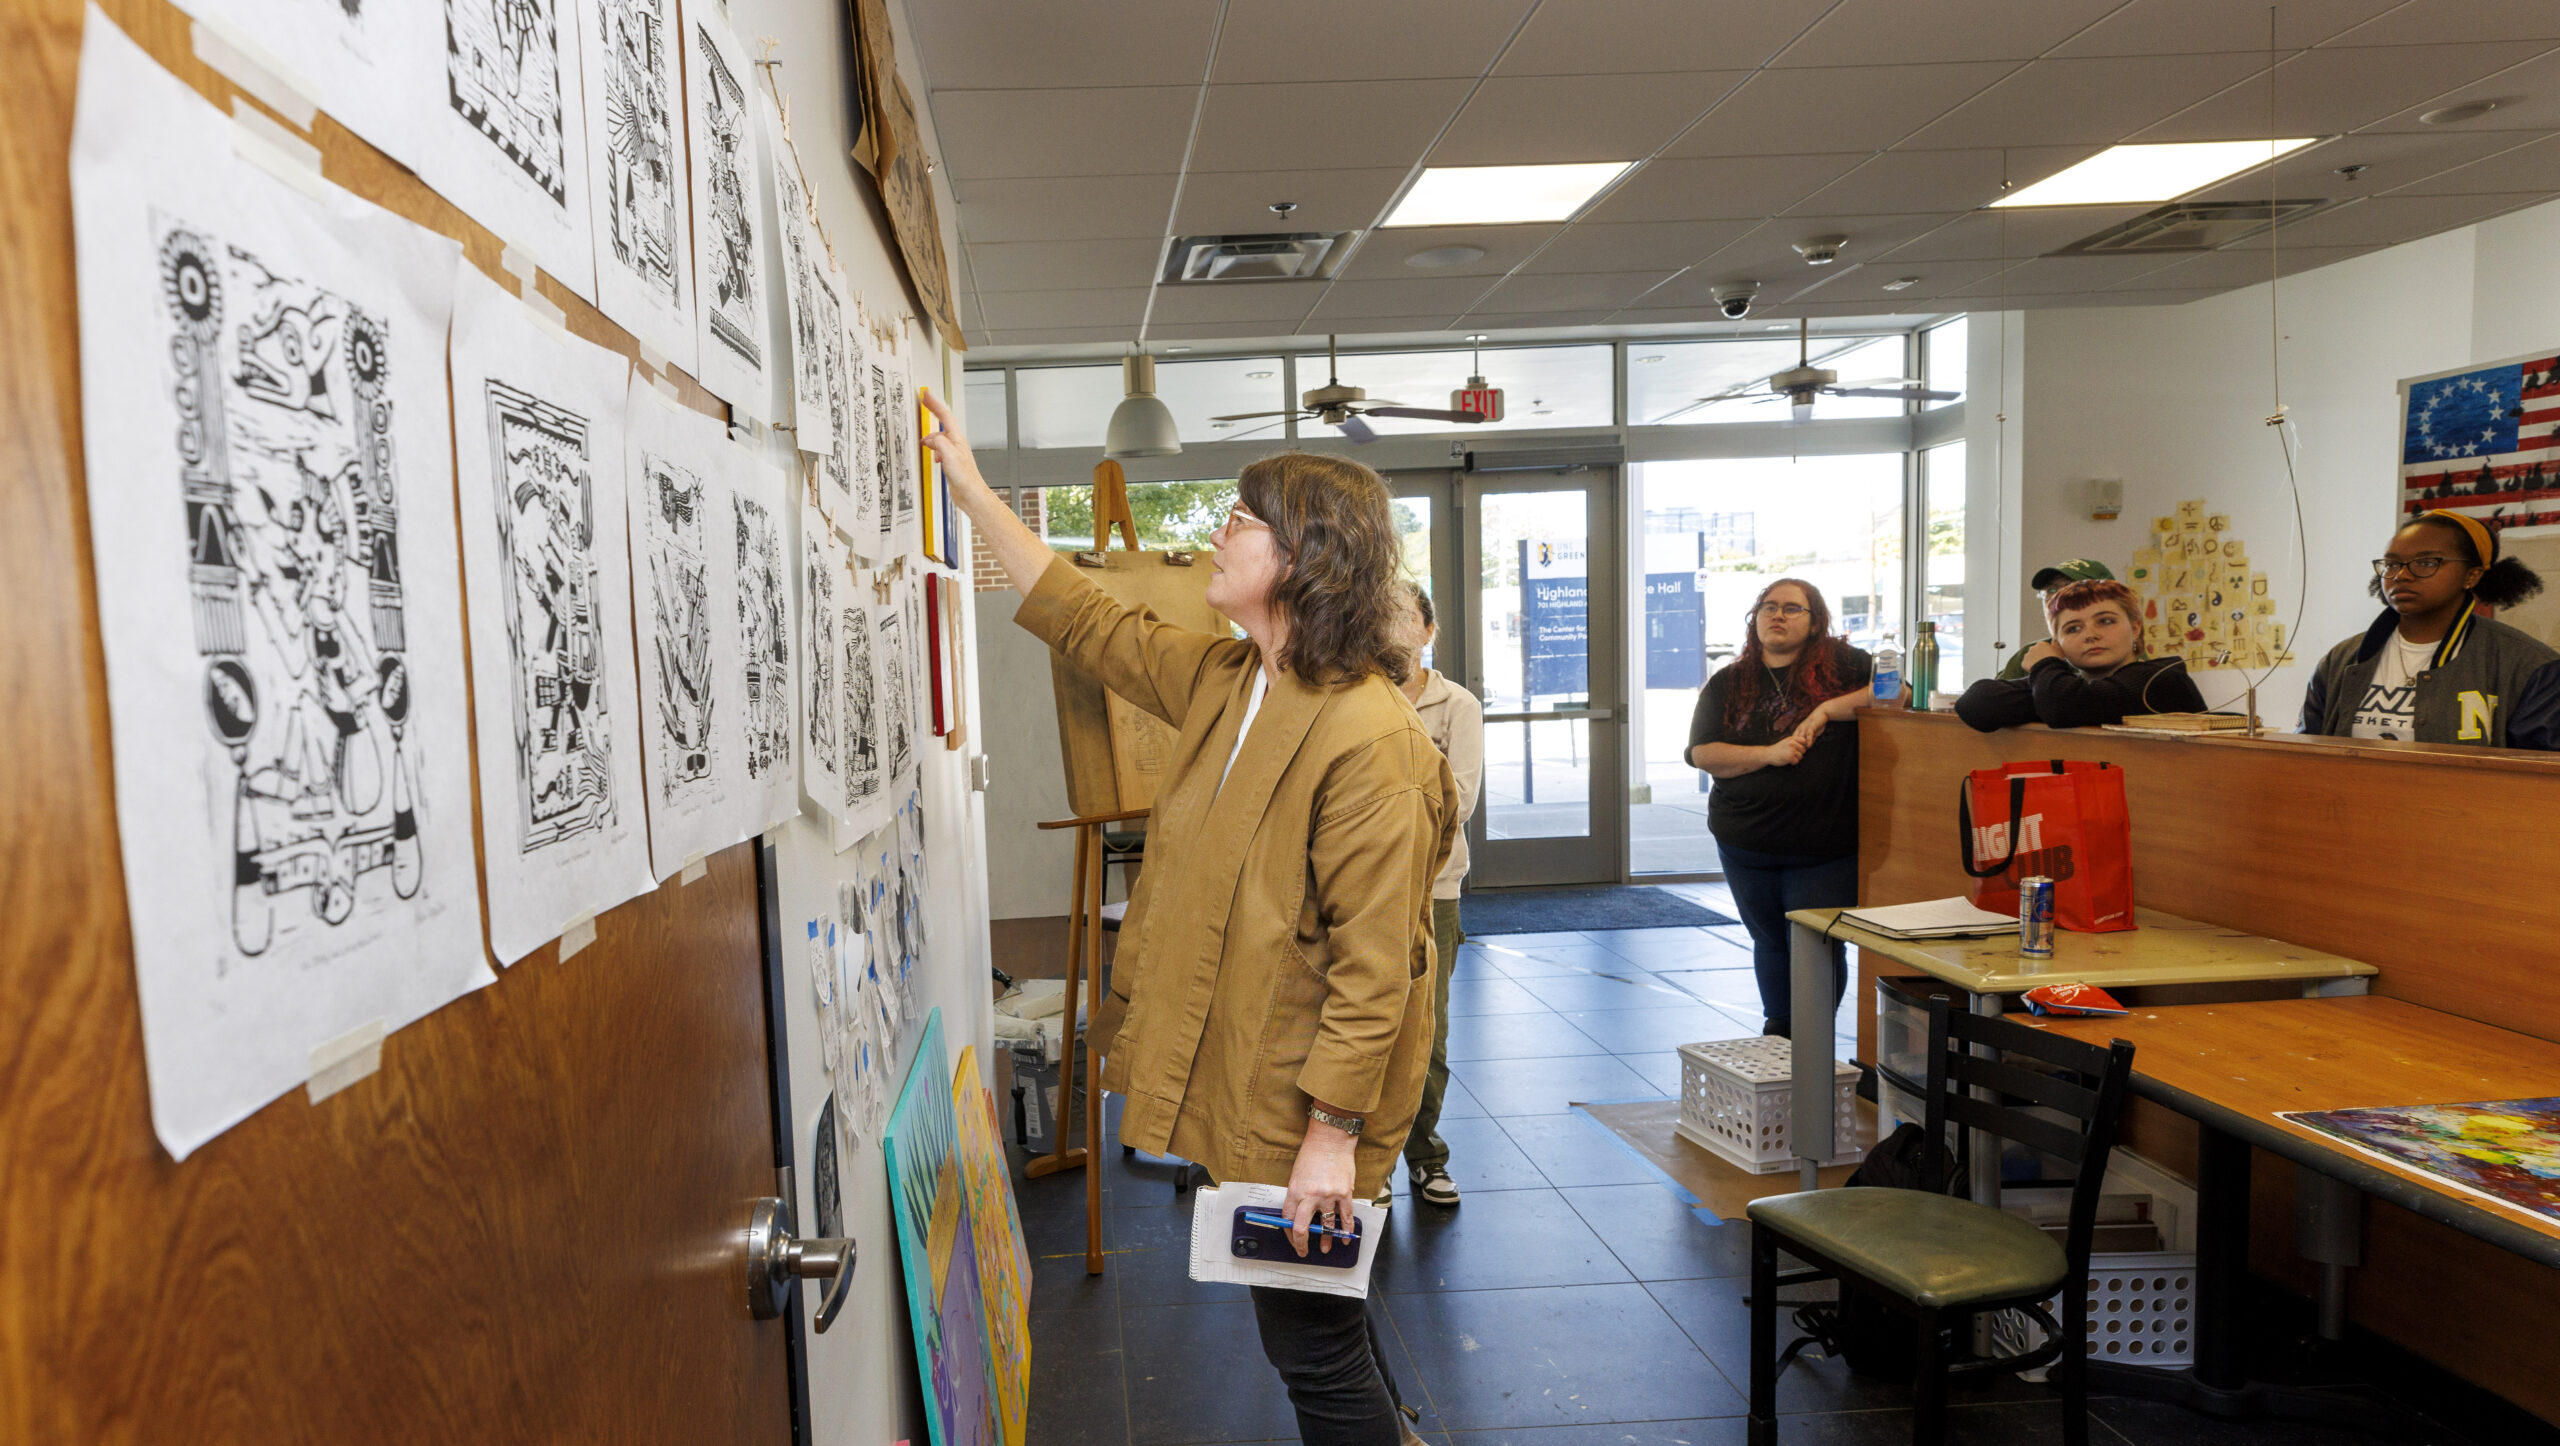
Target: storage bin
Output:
{"points": [[2141, 1303], [1735, 1097]]}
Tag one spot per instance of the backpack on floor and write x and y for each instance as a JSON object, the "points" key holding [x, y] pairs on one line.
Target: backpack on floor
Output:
{"points": [[1858, 1328]]}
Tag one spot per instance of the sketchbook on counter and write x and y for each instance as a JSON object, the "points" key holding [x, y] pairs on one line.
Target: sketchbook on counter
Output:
{"points": [[1954, 918]]}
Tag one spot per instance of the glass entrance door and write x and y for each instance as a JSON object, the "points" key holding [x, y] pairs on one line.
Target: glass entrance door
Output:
{"points": [[1524, 574]]}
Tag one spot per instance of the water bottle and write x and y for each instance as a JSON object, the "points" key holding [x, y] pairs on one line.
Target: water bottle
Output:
{"points": [[1924, 666], [1888, 674]]}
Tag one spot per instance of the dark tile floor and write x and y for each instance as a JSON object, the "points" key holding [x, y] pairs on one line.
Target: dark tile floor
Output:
{"points": [[1572, 1299]]}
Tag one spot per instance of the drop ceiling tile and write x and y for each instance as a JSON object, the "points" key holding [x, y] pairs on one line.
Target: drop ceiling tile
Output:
{"points": [[1507, 322], [1047, 265], [2334, 90], [1868, 236], [2192, 27], [2527, 96], [2088, 300], [1382, 254], [1355, 330], [998, 44], [1907, 181], [2423, 22], [1219, 203], [2243, 265], [1535, 120], [1322, 125], [1898, 32], [2012, 235], [2085, 101], [1302, 40], [1275, 305], [2531, 167], [2053, 274], [1060, 335], [1447, 295], [1605, 290], [1230, 336], [1935, 279], [1626, 37], [2390, 161], [2389, 220], [998, 134], [1070, 208], [1720, 188], [1636, 245], [1845, 108], [1118, 306], [1863, 310]]}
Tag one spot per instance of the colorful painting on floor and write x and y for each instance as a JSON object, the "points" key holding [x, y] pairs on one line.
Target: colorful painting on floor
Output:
{"points": [[937, 1249], [2507, 1150], [1004, 1260]]}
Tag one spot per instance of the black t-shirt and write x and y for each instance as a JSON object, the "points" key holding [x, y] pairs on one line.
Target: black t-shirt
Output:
{"points": [[1809, 809]]}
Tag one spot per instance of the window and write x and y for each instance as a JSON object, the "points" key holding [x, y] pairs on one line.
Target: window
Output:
{"points": [[1542, 386], [1942, 359], [1072, 406], [1670, 384], [982, 396], [1942, 491], [1172, 516]]}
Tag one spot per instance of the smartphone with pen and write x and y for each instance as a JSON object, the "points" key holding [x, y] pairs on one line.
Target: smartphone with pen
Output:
{"points": [[1262, 1233]]}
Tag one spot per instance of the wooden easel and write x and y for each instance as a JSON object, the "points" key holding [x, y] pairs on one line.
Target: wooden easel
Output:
{"points": [[1084, 965]]}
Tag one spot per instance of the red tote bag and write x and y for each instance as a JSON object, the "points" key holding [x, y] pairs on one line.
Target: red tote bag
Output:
{"points": [[2064, 820]]}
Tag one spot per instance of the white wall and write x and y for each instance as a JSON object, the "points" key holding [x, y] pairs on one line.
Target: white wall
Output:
{"points": [[1027, 869], [1994, 406], [2174, 400]]}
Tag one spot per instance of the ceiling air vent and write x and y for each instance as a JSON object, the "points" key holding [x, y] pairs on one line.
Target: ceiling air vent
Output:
{"points": [[2192, 226], [1274, 256]]}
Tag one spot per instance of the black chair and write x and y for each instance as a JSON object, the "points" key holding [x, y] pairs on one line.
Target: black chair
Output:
{"points": [[1941, 1261]]}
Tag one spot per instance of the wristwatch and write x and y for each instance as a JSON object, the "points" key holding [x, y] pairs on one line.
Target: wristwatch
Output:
{"points": [[1348, 1124]]}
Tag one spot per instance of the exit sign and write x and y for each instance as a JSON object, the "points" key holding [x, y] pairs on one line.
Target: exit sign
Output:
{"points": [[1480, 399]]}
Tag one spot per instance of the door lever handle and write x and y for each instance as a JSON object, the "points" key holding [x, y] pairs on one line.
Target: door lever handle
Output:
{"points": [[776, 1258]]}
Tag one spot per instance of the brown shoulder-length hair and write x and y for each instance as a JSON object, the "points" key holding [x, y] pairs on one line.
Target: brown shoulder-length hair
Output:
{"points": [[1343, 598]]}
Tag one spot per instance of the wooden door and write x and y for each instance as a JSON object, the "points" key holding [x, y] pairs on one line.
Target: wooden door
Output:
{"points": [[527, 1227]]}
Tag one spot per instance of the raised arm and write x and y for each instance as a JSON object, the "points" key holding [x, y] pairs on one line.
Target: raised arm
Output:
{"points": [[1019, 551]]}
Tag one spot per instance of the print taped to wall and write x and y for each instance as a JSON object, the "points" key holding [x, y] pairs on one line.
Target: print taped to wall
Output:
{"points": [[804, 267], [730, 286], [897, 686], [538, 438], [766, 680], [865, 796], [640, 193], [835, 476], [822, 578], [859, 518], [509, 142], [267, 442]]}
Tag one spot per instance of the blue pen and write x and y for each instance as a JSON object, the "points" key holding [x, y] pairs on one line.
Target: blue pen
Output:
{"points": [[1269, 1220]]}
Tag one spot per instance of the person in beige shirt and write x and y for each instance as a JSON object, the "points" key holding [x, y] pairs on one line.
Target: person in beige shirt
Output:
{"points": [[1455, 720]]}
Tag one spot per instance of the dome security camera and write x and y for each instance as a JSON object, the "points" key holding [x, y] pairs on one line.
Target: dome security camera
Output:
{"points": [[1734, 298]]}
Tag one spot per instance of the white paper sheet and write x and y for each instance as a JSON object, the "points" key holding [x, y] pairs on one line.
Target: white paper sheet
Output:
{"points": [[780, 408], [501, 128], [906, 528], [804, 270], [857, 515], [640, 198], [893, 627], [1213, 1258], [768, 681], [365, 63], [265, 423], [866, 791], [884, 459], [825, 590], [538, 436], [726, 155], [681, 471], [835, 444]]}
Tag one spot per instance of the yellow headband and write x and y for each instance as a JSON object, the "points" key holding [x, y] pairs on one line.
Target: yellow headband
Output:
{"points": [[2484, 543]]}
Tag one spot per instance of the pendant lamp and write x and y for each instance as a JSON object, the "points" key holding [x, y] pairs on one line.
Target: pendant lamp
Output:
{"points": [[1142, 425]]}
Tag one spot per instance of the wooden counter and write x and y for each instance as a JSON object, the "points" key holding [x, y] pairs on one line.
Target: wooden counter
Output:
{"points": [[2164, 950], [2439, 865]]}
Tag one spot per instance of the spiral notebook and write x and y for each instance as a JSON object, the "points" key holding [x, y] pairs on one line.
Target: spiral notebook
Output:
{"points": [[1213, 1211]]}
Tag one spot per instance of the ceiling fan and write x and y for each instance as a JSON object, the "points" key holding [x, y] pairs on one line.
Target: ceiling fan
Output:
{"points": [[1339, 406], [1800, 383]]}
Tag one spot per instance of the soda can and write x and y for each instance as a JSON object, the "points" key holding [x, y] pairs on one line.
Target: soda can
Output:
{"points": [[2035, 917]]}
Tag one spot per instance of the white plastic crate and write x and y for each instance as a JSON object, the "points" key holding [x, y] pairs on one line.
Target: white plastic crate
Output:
{"points": [[2141, 1304], [1735, 1096]]}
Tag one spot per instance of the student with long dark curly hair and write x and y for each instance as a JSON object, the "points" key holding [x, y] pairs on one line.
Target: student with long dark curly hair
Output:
{"points": [[2431, 668], [1784, 805]]}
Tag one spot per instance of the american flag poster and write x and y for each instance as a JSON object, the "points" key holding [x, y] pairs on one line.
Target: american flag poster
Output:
{"points": [[2484, 441]]}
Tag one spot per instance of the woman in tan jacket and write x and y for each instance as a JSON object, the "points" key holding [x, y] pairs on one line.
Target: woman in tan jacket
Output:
{"points": [[1270, 1013]]}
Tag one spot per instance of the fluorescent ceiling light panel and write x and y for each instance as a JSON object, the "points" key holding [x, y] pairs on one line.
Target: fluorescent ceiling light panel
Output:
{"points": [[2132, 175], [1502, 195]]}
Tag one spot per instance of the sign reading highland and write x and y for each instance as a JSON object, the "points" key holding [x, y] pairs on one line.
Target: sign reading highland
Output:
{"points": [[1555, 619]]}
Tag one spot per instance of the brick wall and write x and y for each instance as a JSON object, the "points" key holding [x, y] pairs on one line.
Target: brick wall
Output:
{"points": [[1032, 504]]}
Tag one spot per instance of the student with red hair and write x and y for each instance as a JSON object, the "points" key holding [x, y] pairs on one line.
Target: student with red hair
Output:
{"points": [[1784, 806]]}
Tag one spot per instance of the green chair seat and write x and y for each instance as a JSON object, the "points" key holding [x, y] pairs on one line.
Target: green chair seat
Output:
{"points": [[1934, 1250]]}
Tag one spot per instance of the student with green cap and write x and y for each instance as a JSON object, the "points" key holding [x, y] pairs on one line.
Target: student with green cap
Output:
{"points": [[2047, 582]]}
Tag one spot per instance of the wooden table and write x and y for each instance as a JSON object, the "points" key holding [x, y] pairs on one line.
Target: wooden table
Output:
{"points": [[2234, 1067], [2164, 950]]}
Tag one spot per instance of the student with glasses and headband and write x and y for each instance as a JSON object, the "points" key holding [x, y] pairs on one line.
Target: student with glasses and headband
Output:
{"points": [[1270, 1009], [2434, 668], [1784, 804]]}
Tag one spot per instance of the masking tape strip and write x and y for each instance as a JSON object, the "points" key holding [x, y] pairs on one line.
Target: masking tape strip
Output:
{"points": [[517, 262], [342, 1061], [666, 388], [695, 868], [247, 65], [651, 357], [544, 310], [277, 151], [580, 933]]}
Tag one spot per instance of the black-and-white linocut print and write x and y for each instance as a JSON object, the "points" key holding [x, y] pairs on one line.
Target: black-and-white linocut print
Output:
{"points": [[804, 265], [268, 453], [683, 696], [835, 477], [511, 146], [859, 520], [640, 192], [862, 777], [900, 444], [897, 690], [821, 771], [539, 439], [728, 214], [884, 462], [764, 637]]}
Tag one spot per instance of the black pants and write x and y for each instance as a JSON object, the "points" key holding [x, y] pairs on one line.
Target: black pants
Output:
{"points": [[1327, 1351]]}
